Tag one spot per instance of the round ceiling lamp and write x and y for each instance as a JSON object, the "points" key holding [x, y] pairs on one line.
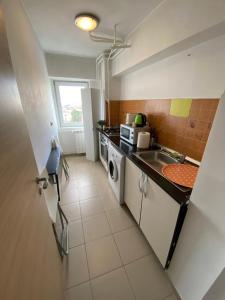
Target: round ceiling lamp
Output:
{"points": [[86, 22]]}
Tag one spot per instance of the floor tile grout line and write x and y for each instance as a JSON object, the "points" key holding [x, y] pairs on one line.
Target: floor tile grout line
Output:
{"points": [[131, 287], [89, 216], [174, 292], [77, 246], [95, 277], [86, 242], [105, 211], [105, 273], [88, 199], [82, 220], [111, 226], [136, 259], [97, 239], [108, 272], [168, 296], [95, 215], [124, 229], [68, 204], [89, 274], [75, 285], [124, 266]]}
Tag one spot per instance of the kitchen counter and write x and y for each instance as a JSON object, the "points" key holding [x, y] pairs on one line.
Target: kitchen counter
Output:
{"points": [[178, 193]]}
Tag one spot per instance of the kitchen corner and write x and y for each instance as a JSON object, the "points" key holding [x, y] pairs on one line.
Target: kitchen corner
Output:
{"points": [[175, 198], [156, 182]]}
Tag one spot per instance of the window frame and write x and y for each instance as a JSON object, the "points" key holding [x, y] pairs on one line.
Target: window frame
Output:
{"points": [[57, 84]]}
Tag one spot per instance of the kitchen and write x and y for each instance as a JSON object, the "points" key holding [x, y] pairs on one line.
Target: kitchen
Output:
{"points": [[135, 144], [142, 147]]}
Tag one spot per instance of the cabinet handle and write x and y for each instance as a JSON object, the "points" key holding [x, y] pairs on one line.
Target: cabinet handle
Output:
{"points": [[145, 185], [139, 184]]}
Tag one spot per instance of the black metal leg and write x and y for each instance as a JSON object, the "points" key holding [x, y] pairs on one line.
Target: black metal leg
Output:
{"points": [[62, 239], [57, 185]]}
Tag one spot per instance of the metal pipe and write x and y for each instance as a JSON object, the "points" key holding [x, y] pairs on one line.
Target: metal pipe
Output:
{"points": [[103, 39], [108, 59]]}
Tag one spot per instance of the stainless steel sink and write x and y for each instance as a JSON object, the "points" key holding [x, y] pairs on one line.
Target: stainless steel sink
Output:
{"points": [[156, 159]]}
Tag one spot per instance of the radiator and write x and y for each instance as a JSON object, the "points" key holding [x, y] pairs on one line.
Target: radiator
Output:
{"points": [[72, 141]]}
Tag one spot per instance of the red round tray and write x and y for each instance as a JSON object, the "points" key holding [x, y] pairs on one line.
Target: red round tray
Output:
{"points": [[182, 174]]}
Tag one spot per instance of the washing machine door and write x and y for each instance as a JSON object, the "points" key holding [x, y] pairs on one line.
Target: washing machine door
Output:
{"points": [[113, 171]]}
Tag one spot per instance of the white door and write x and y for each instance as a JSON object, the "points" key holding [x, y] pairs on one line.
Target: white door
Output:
{"points": [[90, 105], [30, 264], [158, 218]]}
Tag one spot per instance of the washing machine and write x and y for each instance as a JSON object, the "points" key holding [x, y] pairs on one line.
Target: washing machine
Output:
{"points": [[116, 164]]}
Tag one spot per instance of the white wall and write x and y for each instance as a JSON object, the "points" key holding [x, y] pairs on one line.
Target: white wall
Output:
{"points": [[32, 78], [217, 290], [197, 76], [200, 254], [173, 25], [70, 66], [199, 257]]}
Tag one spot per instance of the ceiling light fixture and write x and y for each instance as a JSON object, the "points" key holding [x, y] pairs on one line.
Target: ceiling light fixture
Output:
{"points": [[86, 21]]}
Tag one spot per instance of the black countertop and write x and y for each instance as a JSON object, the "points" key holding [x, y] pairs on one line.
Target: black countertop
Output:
{"points": [[178, 193]]}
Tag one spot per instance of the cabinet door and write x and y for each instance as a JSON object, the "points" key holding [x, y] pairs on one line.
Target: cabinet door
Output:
{"points": [[132, 193], [158, 219]]}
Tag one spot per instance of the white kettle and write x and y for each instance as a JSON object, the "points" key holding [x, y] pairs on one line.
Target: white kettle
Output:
{"points": [[130, 118]]}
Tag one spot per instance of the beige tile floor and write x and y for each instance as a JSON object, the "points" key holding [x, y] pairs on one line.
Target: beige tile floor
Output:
{"points": [[109, 258]]}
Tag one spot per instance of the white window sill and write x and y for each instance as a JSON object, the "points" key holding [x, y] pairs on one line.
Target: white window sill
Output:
{"points": [[78, 129]]}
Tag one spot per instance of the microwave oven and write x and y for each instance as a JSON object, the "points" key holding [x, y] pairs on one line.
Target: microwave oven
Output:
{"points": [[130, 134]]}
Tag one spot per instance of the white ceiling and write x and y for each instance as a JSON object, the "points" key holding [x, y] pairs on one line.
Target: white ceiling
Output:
{"points": [[53, 22]]}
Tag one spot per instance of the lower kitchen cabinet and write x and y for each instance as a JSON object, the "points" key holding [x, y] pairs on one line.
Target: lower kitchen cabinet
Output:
{"points": [[133, 189], [158, 218]]}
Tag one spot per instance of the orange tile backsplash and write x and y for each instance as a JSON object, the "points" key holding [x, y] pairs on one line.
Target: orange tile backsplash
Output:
{"points": [[186, 135]]}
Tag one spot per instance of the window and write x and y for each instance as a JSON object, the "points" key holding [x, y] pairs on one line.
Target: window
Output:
{"points": [[69, 103]]}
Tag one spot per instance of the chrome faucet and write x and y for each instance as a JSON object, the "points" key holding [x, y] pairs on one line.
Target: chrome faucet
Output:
{"points": [[179, 157]]}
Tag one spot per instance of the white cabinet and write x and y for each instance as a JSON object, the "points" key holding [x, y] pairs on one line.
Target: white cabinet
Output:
{"points": [[158, 218], [133, 189], [153, 209]]}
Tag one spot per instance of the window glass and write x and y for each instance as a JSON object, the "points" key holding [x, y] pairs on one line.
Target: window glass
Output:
{"points": [[69, 104]]}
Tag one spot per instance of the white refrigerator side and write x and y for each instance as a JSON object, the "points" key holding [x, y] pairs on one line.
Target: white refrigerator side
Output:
{"points": [[90, 104], [96, 110]]}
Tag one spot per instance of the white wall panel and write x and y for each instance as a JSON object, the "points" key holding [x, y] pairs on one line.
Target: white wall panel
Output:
{"points": [[200, 254], [67, 66], [168, 26], [201, 75], [32, 78]]}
